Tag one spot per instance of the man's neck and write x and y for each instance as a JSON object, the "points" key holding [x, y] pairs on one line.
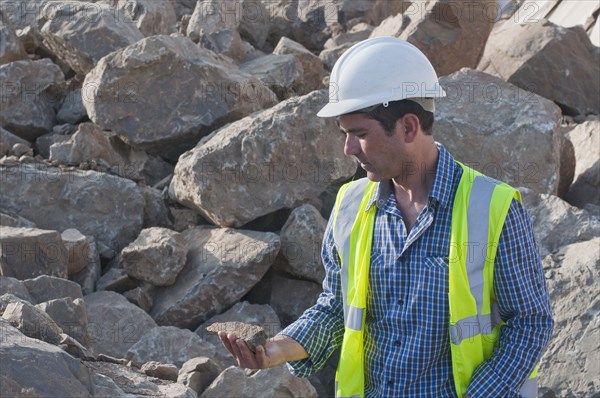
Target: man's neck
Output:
{"points": [[414, 186]]}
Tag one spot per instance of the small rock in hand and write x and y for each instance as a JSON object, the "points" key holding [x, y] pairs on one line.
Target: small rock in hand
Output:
{"points": [[253, 335]]}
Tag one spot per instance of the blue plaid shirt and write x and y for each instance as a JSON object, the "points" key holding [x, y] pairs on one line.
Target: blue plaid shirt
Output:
{"points": [[407, 344]]}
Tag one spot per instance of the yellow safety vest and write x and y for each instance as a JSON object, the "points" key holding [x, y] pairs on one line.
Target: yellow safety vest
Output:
{"points": [[477, 221]]}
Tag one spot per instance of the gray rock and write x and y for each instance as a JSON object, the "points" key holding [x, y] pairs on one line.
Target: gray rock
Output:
{"points": [[45, 287], [198, 373], [184, 218], [282, 73], [72, 110], [115, 279], [22, 14], [32, 322], [89, 201], [311, 64], [586, 184], [15, 287], [125, 83], [552, 216], [29, 252], [358, 32], [223, 264], [571, 361], [214, 25], [274, 159], [152, 17], [156, 256], [11, 49], [161, 370], [15, 221], [277, 381], [40, 368], [70, 315], [253, 335], [373, 12], [156, 212], [170, 345], [290, 297], [81, 250], [88, 276], [257, 314], [329, 56], [9, 298], [392, 26], [43, 143], [8, 141], [557, 63], [254, 22], [301, 238], [141, 296], [115, 324], [501, 130], [28, 104], [81, 33]]}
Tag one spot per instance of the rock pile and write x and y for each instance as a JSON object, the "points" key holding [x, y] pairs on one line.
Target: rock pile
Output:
{"points": [[162, 170]]}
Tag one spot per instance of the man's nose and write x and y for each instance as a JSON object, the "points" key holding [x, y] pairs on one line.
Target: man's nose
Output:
{"points": [[351, 145]]}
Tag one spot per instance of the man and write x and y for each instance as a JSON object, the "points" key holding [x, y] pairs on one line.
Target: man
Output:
{"points": [[434, 286]]}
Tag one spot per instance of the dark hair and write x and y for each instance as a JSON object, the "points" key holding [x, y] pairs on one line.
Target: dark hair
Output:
{"points": [[388, 116]]}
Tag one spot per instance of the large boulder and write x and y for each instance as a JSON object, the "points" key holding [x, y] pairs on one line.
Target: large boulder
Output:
{"points": [[501, 130], [115, 324], [282, 73], [557, 63], [120, 93], [81, 250], [156, 256], [107, 207], [30, 91], [571, 363], [80, 33], [552, 216], [272, 382], [311, 64], [169, 345], [274, 159], [198, 373], [45, 288], [70, 315], [32, 322], [291, 297], [254, 314], [32, 368], [8, 141], [14, 287], [152, 17], [586, 183], [451, 33], [29, 252], [90, 143], [222, 265], [11, 48]]}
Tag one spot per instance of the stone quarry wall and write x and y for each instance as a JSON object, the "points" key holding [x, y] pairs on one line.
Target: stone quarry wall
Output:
{"points": [[162, 169]]}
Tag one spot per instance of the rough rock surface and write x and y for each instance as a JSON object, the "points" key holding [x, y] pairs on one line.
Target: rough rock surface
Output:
{"points": [[8, 140], [169, 345], [525, 130], [277, 381], [114, 323], [115, 279], [223, 264], [32, 322], [586, 184], [94, 202], [270, 160], [80, 33], [81, 250], [11, 49], [15, 287], [161, 370], [551, 216], [122, 89], [29, 252], [28, 106], [256, 314], [198, 373], [301, 238], [290, 297], [282, 73], [572, 360], [70, 315], [46, 287], [253, 335], [72, 110], [557, 63], [39, 368], [152, 17], [311, 64], [156, 256]]}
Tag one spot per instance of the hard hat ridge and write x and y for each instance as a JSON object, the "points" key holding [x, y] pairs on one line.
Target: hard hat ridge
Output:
{"points": [[377, 71]]}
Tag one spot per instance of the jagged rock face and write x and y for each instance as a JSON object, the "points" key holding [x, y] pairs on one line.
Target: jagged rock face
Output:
{"points": [[586, 183], [271, 160], [557, 63], [120, 93], [519, 145]]}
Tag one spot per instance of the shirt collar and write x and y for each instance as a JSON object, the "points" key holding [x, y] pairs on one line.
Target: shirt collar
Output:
{"points": [[442, 184]]}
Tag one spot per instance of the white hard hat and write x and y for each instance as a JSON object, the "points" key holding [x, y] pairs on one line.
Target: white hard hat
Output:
{"points": [[377, 71]]}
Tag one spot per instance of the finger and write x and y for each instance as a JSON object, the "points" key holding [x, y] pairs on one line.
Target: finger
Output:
{"points": [[247, 355], [225, 341], [261, 357]]}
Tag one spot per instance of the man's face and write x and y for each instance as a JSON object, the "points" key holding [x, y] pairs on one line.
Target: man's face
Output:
{"points": [[380, 155]]}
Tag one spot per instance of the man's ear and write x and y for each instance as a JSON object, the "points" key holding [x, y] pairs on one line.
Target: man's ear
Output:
{"points": [[408, 125]]}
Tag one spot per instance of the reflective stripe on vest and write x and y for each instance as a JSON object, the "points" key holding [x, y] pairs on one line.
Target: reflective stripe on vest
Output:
{"points": [[477, 221]]}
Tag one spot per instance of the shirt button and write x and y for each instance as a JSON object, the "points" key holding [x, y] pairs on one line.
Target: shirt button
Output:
{"points": [[397, 343], [390, 382], [399, 301]]}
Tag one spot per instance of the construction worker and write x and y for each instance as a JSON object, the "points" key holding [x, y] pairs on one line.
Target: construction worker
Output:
{"points": [[434, 285]]}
